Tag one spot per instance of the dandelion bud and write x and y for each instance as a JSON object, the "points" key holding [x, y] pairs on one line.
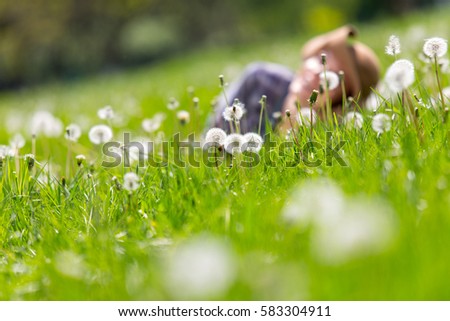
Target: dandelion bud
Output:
{"points": [[80, 159], [221, 80], [324, 58], [116, 183], [263, 99], [30, 159], [321, 89], [341, 75], [196, 101], [288, 113], [183, 116], [63, 182], [313, 98]]}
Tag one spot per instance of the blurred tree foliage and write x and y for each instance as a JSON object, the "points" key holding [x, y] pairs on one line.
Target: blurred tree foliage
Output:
{"points": [[44, 39]]}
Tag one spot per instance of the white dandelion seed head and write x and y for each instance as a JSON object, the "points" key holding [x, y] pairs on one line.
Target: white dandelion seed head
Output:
{"points": [[393, 46], [215, 136], [435, 47], [446, 93], [234, 113], [100, 134], [373, 102], [150, 125], [131, 153], [131, 181], [173, 103], [73, 132], [105, 113], [203, 267], [252, 142], [43, 122], [183, 117], [159, 117], [332, 79], [233, 143], [400, 75], [381, 123], [6, 151], [17, 141], [304, 117], [353, 119]]}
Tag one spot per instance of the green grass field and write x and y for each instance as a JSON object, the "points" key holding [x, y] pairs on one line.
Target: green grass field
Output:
{"points": [[377, 229]]}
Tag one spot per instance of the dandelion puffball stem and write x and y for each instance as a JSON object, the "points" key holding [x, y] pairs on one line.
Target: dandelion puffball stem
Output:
{"points": [[436, 69], [341, 75], [263, 106]]}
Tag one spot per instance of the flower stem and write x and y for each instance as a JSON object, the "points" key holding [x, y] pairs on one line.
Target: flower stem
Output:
{"points": [[436, 66]]}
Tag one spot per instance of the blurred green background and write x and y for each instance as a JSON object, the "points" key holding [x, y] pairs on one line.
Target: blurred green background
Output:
{"points": [[42, 40]]}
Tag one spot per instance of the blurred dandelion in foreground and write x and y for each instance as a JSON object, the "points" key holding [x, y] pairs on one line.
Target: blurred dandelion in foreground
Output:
{"points": [[44, 122], [381, 123], [70, 264], [106, 113], [316, 202], [400, 75], [131, 182], [435, 47], [203, 267], [393, 46], [304, 117], [353, 119], [100, 134], [332, 80], [342, 228], [366, 227], [73, 132], [233, 144], [252, 142]]}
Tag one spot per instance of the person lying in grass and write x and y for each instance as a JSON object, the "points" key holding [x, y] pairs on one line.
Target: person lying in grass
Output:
{"points": [[331, 64]]}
